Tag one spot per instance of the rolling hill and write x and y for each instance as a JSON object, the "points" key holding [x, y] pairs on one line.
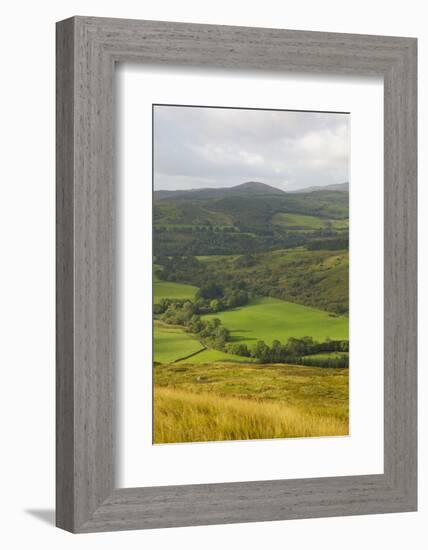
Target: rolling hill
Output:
{"points": [[253, 188], [342, 187], [316, 278], [246, 218]]}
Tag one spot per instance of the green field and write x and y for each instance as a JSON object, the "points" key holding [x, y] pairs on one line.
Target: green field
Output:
{"points": [[165, 289], [224, 401], [269, 319], [172, 343], [183, 214], [305, 222]]}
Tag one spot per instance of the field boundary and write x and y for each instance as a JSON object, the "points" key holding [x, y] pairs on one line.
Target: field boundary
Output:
{"points": [[204, 348]]}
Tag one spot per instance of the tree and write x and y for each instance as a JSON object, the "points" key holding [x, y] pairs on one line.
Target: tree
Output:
{"points": [[195, 324], [214, 322], [275, 351], [215, 305], [261, 351], [210, 290], [295, 347]]}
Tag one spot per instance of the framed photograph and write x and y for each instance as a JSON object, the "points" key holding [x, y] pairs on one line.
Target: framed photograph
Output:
{"points": [[250, 280], [236, 274]]}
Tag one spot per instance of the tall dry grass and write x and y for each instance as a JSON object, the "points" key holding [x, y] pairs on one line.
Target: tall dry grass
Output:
{"points": [[183, 416]]}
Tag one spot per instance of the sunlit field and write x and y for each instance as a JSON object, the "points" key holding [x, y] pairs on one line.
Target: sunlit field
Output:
{"points": [[226, 401], [269, 319], [182, 416]]}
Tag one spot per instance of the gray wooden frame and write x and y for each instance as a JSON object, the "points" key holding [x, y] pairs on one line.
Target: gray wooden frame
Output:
{"points": [[87, 50]]}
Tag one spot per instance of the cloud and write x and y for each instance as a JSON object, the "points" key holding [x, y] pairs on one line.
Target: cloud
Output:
{"points": [[211, 147]]}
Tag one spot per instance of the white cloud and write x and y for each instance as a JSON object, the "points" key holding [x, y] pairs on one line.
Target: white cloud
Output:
{"points": [[212, 147]]}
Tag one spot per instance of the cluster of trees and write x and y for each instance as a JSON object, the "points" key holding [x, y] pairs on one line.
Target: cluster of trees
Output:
{"points": [[212, 240], [202, 243], [181, 269], [210, 298], [211, 332], [213, 297], [329, 244], [327, 362], [296, 350], [196, 228]]}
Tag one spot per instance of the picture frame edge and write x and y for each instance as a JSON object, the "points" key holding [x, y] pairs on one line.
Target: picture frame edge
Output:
{"points": [[87, 50]]}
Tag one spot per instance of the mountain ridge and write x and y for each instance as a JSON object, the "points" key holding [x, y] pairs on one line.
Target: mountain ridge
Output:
{"points": [[252, 188], [247, 188], [341, 187]]}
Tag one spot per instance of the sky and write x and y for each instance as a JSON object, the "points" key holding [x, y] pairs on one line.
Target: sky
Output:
{"points": [[200, 147]]}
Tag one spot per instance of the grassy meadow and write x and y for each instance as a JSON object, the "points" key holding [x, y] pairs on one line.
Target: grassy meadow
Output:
{"points": [[305, 223], [179, 291], [271, 319], [217, 402], [172, 343]]}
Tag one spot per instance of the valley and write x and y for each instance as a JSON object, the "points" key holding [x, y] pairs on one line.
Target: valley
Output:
{"points": [[250, 299]]}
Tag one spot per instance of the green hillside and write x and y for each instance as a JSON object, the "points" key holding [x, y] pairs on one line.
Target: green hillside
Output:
{"points": [[304, 222], [317, 278], [187, 214], [247, 218]]}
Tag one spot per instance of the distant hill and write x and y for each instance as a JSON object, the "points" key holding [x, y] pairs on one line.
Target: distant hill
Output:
{"points": [[249, 189], [256, 188], [247, 218], [342, 187]]}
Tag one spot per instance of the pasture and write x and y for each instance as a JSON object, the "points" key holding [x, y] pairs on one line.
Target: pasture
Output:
{"points": [[166, 289], [306, 222], [271, 319], [172, 343]]}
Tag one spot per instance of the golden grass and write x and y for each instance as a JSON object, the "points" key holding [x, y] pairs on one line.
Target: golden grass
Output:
{"points": [[184, 416], [315, 390]]}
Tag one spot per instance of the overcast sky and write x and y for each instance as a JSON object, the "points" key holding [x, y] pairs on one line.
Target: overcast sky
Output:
{"points": [[198, 147]]}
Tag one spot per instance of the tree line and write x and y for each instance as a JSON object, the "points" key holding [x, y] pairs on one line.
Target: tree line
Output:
{"points": [[295, 350]]}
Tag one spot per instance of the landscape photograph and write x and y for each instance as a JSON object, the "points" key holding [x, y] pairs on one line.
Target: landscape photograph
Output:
{"points": [[250, 274]]}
